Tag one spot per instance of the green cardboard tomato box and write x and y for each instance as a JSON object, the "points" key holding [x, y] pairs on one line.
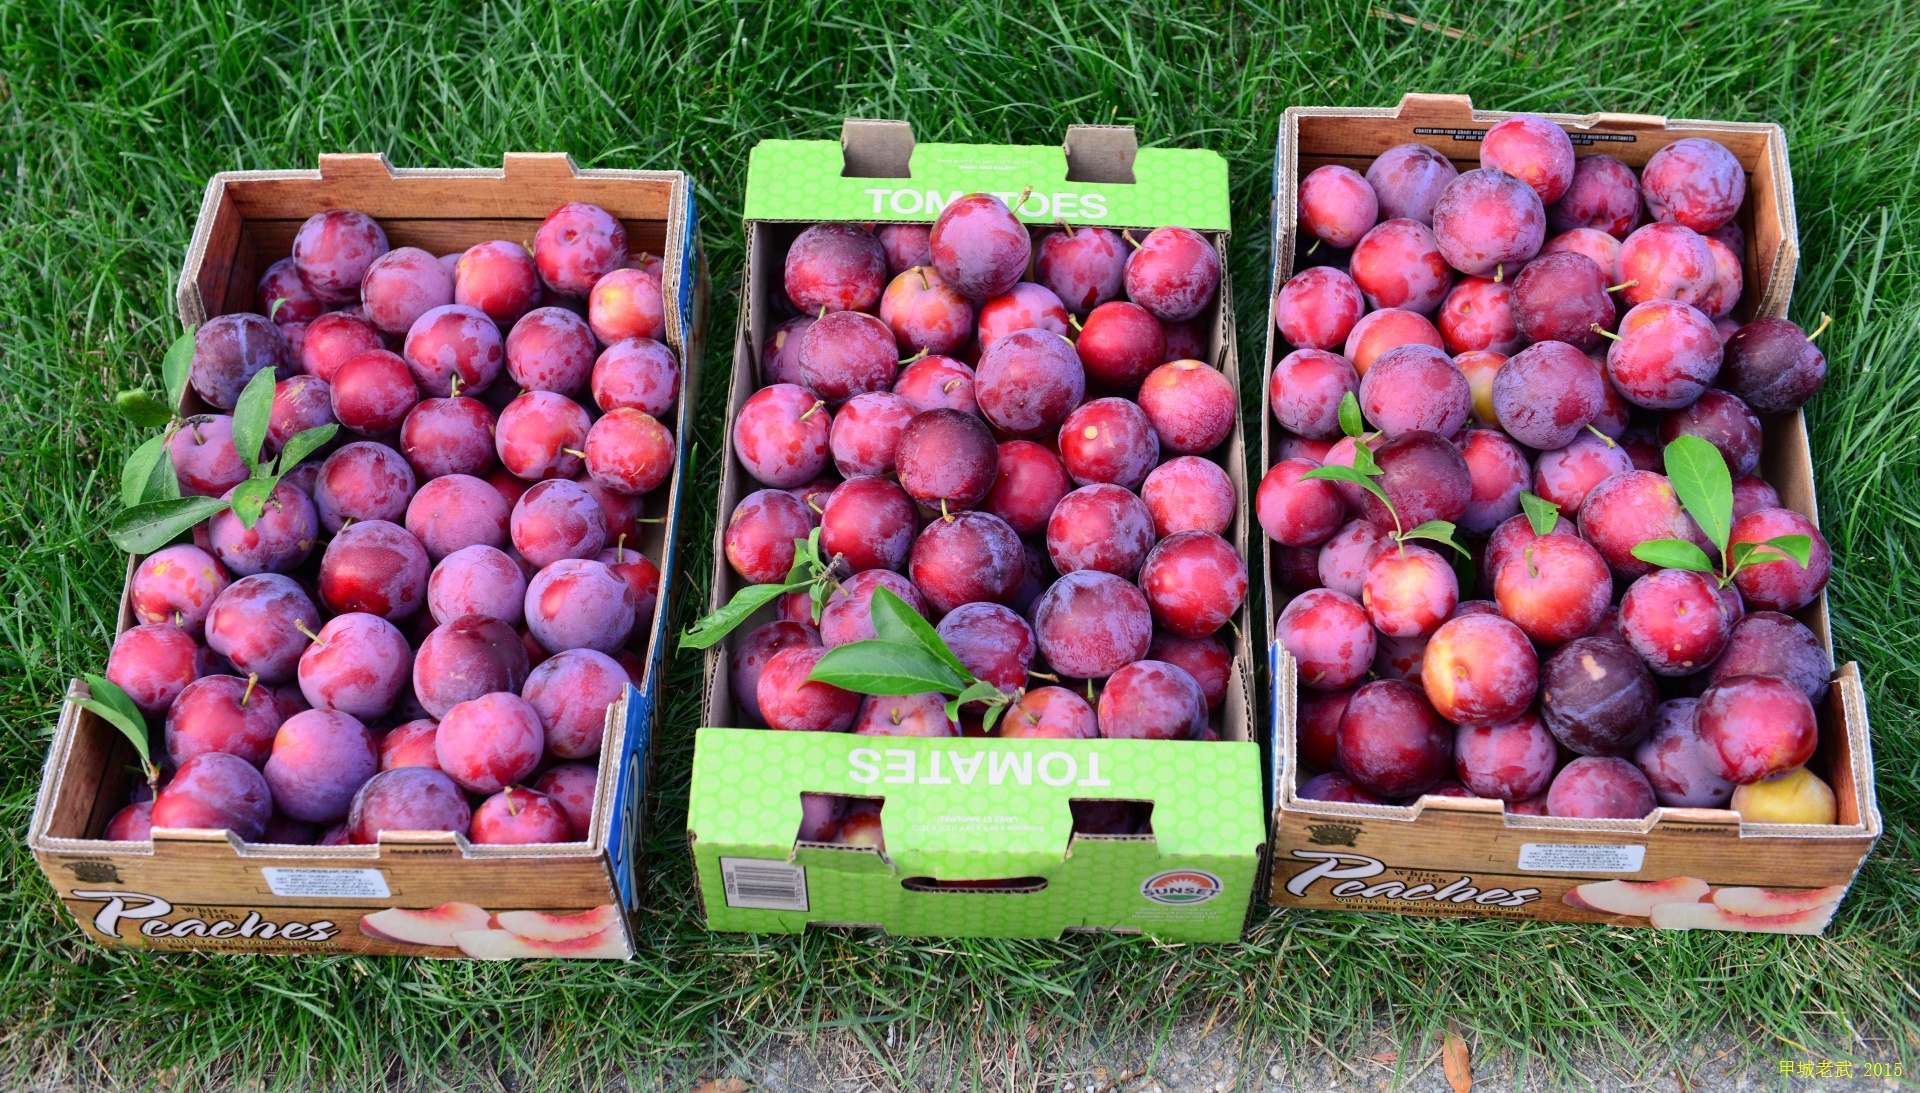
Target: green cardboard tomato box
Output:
{"points": [[978, 835]]}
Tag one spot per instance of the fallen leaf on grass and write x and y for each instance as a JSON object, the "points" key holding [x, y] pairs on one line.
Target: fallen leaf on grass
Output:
{"points": [[720, 1085], [1387, 1057], [1455, 1061]]}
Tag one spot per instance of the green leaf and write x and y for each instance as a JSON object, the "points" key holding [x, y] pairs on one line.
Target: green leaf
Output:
{"points": [[822, 593], [1789, 548], [1674, 554], [250, 498], [1438, 531], [803, 568], [894, 620], [273, 309], [303, 444], [142, 409], [116, 709], [885, 668], [251, 415], [994, 710], [977, 691], [1699, 475], [1542, 514], [708, 631], [1333, 472], [1363, 459], [175, 366], [141, 478], [1351, 423], [150, 525]]}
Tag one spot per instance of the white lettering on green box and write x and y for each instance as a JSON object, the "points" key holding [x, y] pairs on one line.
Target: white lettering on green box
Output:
{"points": [[801, 180]]}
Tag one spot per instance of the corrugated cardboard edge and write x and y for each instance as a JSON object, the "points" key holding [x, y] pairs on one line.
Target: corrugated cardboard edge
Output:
{"points": [[1774, 302], [716, 700], [684, 280]]}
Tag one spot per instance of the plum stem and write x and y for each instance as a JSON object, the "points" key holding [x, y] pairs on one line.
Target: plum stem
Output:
{"points": [[649, 520], [1499, 271], [1623, 285], [922, 271], [1532, 570], [1074, 321], [944, 514], [179, 617], [947, 388], [453, 385], [1022, 200], [1826, 321], [575, 452], [811, 409], [1048, 676], [1603, 331], [619, 546], [1603, 437], [253, 679], [823, 313], [301, 625], [1064, 226], [915, 357], [1314, 246], [512, 809], [1127, 234], [1089, 690], [194, 427]]}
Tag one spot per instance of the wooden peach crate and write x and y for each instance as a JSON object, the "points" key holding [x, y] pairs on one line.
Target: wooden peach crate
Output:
{"points": [[209, 891], [1454, 856]]}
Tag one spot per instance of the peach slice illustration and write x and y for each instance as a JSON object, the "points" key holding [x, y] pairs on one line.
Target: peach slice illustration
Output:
{"points": [[1706, 916], [1768, 903], [538, 926], [501, 945], [1636, 898], [432, 927]]}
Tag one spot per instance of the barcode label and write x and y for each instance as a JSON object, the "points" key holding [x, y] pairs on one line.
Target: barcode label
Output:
{"points": [[764, 885], [1578, 858], [327, 883]]}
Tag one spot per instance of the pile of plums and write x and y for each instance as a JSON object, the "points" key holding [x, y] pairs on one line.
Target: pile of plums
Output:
{"points": [[424, 629], [1009, 431], [1489, 357]]}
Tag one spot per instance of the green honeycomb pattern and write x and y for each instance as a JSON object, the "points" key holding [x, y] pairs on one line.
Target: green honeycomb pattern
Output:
{"points": [[1207, 817], [801, 180]]}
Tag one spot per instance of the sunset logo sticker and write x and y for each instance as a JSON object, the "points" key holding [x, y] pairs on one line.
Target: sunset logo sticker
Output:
{"points": [[1181, 887]]}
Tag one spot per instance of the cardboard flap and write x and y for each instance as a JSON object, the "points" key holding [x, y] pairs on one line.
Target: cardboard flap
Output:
{"points": [[1101, 153], [355, 167], [843, 859], [1435, 109], [194, 842], [876, 148], [539, 167], [1457, 110]]}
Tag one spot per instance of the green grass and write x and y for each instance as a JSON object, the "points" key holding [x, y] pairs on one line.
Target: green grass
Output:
{"points": [[112, 120]]}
